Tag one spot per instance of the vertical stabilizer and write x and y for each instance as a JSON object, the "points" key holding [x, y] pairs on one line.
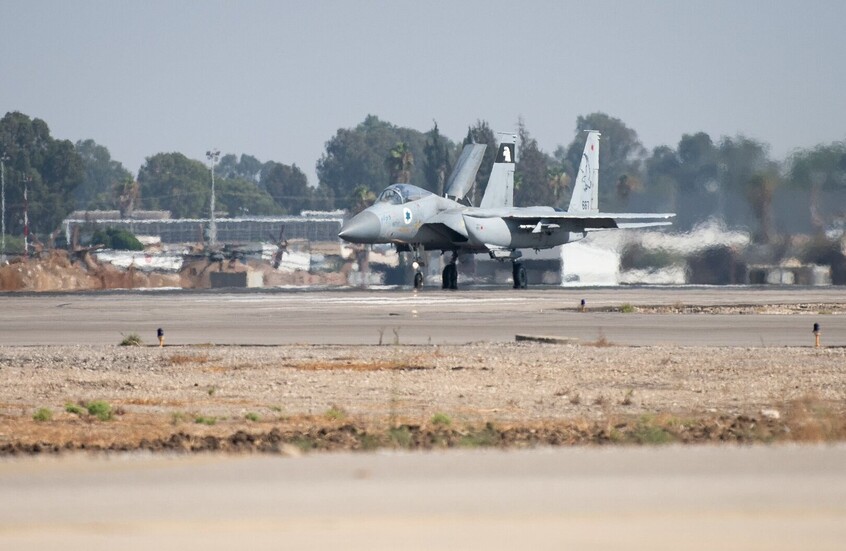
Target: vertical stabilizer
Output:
{"points": [[585, 196], [500, 189]]}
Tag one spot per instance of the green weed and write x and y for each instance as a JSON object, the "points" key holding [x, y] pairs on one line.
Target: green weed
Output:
{"points": [[369, 441], [441, 419], [304, 443], [133, 339], [649, 431], [43, 414], [400, 436], [335, 413], [100, 409], [73, 408], [485, 438]]}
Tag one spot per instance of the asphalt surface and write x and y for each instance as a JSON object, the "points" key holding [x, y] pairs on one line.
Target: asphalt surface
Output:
{"points": [[430, 316], [692, 498]]}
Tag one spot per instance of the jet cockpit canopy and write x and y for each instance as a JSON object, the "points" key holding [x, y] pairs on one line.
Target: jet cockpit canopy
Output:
{"points": [[398, 194]]}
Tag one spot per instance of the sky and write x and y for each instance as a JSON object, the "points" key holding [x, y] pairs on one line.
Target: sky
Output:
{"points": [[277, 79]]}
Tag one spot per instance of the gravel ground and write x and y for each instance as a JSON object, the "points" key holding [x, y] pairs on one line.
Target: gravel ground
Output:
{"points": [[156, 391]]}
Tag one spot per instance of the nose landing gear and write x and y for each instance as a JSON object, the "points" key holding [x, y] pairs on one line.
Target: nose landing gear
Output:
{"points": [[417, 264]]}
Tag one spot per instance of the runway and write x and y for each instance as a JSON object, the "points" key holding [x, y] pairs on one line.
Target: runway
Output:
{"points": [[690, 498], [431, 316]]}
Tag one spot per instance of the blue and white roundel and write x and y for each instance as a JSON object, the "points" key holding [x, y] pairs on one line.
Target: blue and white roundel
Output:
{"points": [[406, 215]]}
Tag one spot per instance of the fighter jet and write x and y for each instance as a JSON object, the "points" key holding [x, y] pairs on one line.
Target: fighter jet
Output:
{"points": [[416, 220]]}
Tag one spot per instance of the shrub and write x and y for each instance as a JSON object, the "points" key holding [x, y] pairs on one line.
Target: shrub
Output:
{"points": [[400, 436], [99, 409], [335, 413], [43, 414], [115, 238], [441, 419], [202, 420], [73, 408], [133, 339], [650, 434], [484, 438], [650, 431], [14, 244], [254, 417]]}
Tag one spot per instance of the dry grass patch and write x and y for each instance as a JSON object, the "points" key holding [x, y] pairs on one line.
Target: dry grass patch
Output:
{"points": [[150, 402], [182, 359], [601, 342], [811, 419], [227, 368], [352, 365]]}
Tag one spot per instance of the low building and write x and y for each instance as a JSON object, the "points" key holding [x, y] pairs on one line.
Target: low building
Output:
{"points": [[254, 229]]}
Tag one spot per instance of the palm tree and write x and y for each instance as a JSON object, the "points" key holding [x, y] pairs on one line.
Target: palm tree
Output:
{"points": [[759, 192], [818, 168], [559, 184], [361, 198], [127, 194], [399, 162]]}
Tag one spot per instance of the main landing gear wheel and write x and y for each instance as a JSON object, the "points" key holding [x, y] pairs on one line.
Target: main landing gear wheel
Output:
{"points": [[450, 277], [418, 280], [519, 273]]}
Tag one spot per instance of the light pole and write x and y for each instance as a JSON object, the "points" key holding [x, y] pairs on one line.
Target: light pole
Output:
{"points": [[3, 159], [212, 155], [26, 181]]}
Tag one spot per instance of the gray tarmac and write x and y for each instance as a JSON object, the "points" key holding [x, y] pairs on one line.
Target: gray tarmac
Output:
{"points": [[430, 316], [675, 498]]}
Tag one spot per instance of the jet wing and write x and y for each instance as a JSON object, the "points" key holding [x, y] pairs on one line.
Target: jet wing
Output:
{"points": [[540, 218], [464, 174], [638, 225]]}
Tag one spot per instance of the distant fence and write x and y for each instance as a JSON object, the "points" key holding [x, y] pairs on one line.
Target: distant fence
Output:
{"points": [[229, 230]]}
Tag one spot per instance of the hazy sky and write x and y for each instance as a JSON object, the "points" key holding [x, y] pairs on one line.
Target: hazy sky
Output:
{"points": [[277, 79]]}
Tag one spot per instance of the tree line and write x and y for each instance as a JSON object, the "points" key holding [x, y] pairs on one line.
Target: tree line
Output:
{"points": [[733, 179], [730, 179]]}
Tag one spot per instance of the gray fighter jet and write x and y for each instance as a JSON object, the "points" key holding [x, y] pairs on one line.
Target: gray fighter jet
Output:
{"points": [[416, 220]]}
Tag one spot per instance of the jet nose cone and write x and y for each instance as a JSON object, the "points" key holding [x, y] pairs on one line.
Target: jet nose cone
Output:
{"points": [[364, 227]]}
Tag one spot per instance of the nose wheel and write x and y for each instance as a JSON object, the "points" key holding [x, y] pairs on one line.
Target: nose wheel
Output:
{"points": [[417, 263]]}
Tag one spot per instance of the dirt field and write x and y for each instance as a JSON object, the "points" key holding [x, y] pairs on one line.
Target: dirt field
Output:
{"points": [[300, 398], [58, 270]]}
